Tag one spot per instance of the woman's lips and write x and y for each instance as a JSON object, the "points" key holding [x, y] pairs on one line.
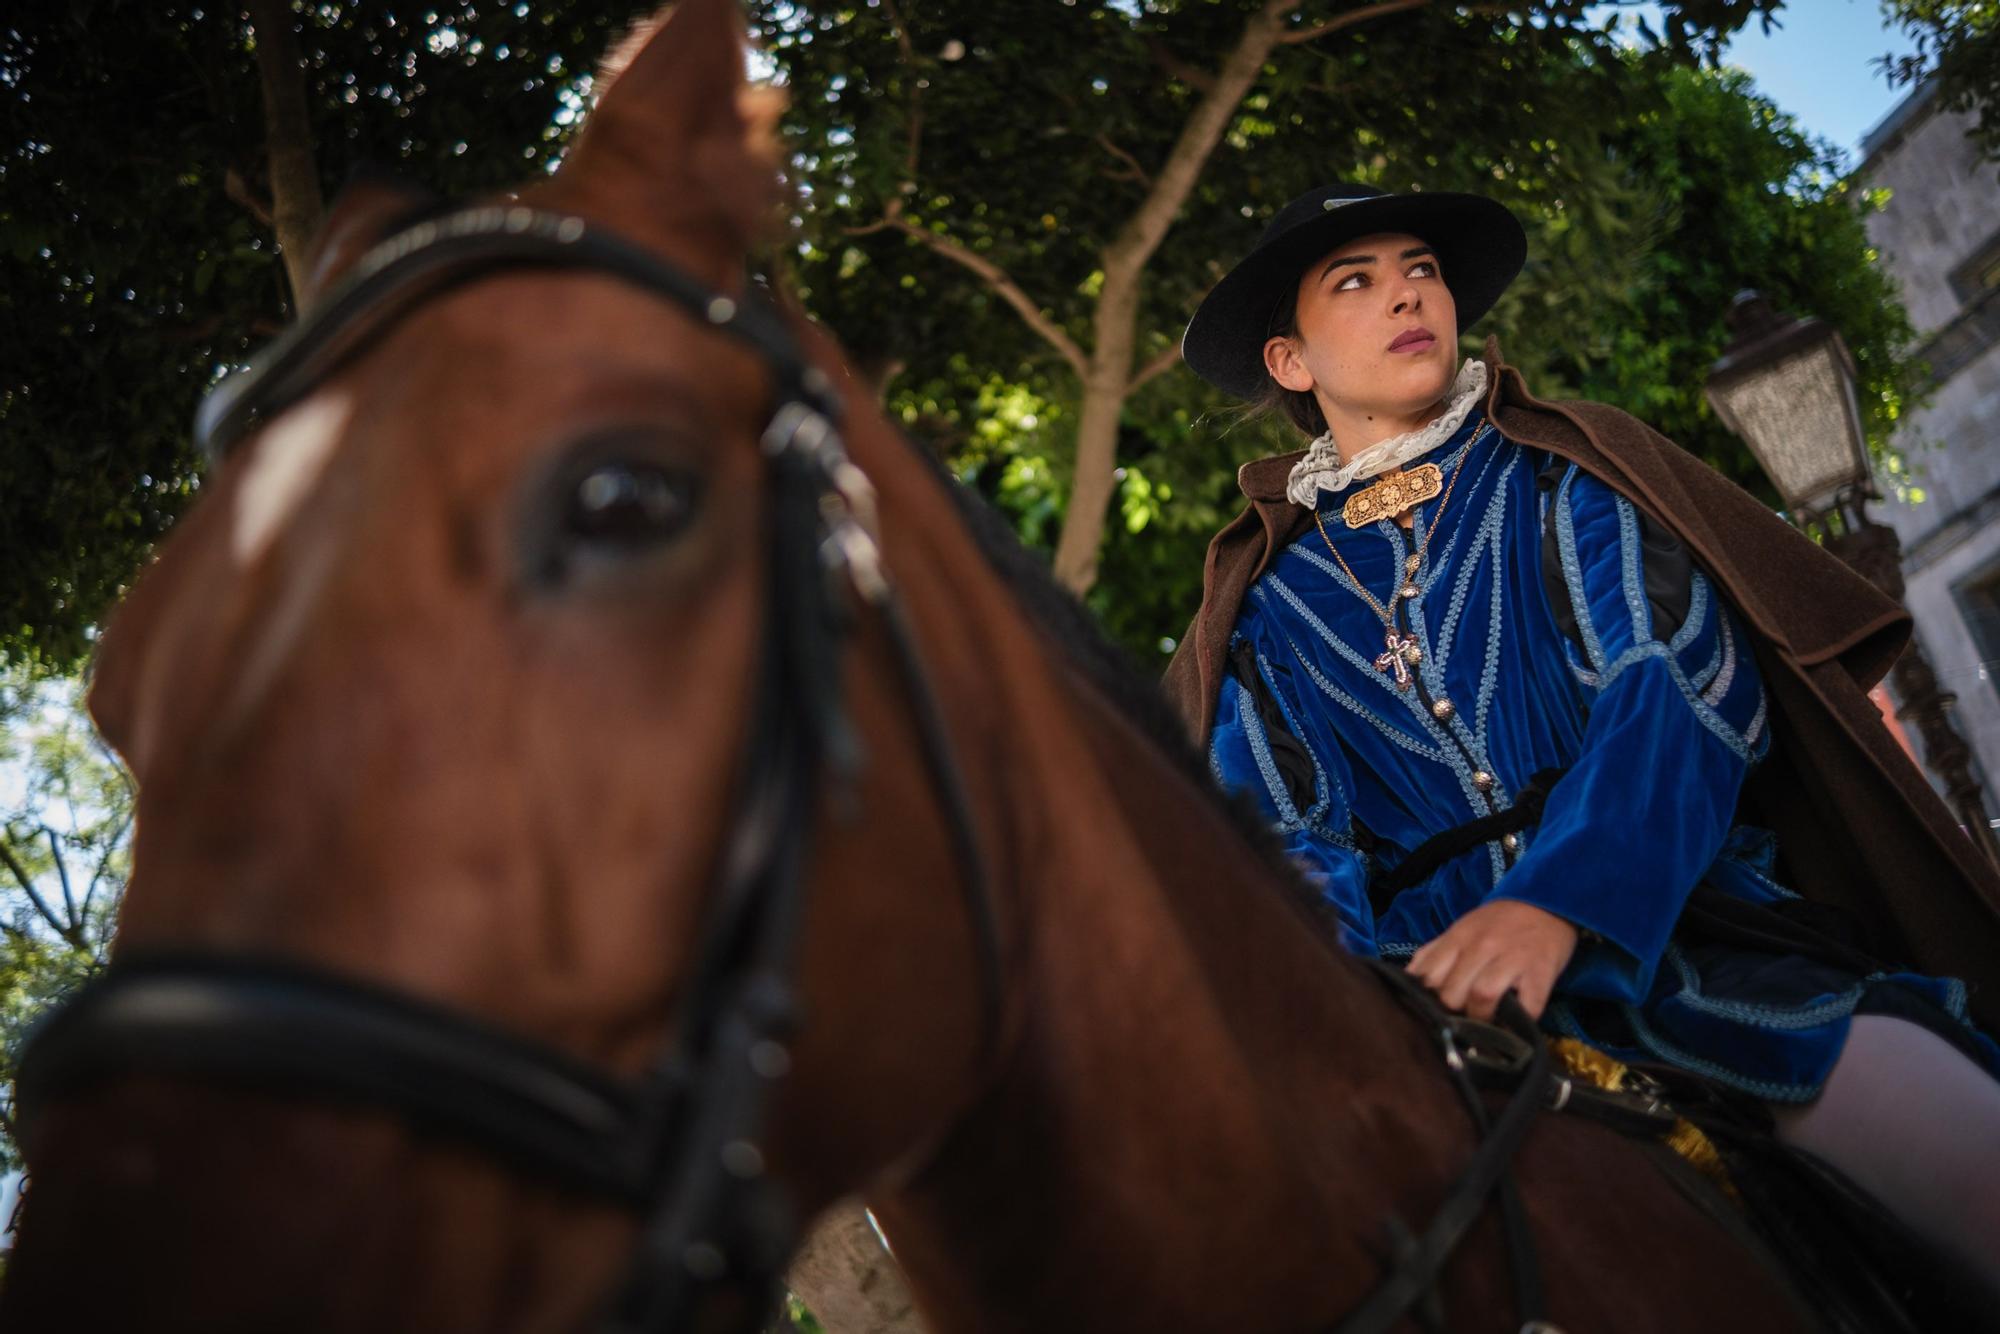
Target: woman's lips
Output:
{"points": [[1414, 340]]}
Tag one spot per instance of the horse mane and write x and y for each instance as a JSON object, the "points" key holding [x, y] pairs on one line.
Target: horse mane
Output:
{"points": [[1074, 633]]}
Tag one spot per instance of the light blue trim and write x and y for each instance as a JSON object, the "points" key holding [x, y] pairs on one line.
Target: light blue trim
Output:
{"points": [[1260, 750], [1435, 558], [1697, 614], [1342, 698], [1710, 719], [1364, 665], [1489, 670], [1450, 466], [1311, 556], [1326, 687], [1767, 1017], [1324, 782], [1573, 573], [1487, 535], [1726, 676], [1768, 1089], [1706, 676], [1636, 604], [1430, 672], [1339, 839], [1955, 997]]}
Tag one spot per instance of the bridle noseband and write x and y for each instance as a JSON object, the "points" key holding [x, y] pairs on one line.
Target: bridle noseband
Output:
{"points": [[682, 1144]]}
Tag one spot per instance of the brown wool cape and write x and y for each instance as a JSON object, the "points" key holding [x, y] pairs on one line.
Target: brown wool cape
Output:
{"points": [[1858, 825]]}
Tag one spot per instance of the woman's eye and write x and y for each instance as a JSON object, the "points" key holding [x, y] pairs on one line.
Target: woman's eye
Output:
{"points": [[1350, 281], [1424, 268], [628, 505]]}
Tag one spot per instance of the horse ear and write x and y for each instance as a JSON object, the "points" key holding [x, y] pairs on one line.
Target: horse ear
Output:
{"points": [[367, 209], [677, 131]]}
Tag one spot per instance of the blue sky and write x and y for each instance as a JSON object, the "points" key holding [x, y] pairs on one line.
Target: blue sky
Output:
{"points": [[1817, 64]]}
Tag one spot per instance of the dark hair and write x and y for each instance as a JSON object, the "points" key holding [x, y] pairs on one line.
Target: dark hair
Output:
{"points": [[1296, 405]]}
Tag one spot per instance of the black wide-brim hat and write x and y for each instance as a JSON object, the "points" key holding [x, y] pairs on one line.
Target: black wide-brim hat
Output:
{"points": [[1480, 247]]}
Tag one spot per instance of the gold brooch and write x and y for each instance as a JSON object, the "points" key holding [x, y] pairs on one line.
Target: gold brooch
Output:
{"points": [[1392, 495]]}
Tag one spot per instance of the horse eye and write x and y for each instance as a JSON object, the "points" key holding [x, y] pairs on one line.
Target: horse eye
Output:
{"points": [[624, 506]]}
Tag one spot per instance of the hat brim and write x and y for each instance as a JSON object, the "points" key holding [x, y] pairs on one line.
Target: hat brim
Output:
{"points": [[1480, 247]]}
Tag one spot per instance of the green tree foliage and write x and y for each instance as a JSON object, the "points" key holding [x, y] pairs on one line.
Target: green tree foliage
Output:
{"points": [[1025, 137], [65, 832], [136, 258], [1653, 189], [1743, 198], [1958, 42], [953, 140]]}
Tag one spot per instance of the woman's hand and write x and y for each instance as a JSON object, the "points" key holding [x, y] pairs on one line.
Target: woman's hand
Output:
{"points": [[1498, 945]]}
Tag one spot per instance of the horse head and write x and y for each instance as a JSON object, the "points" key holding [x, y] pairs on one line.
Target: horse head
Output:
{"points": [[476, 681]]}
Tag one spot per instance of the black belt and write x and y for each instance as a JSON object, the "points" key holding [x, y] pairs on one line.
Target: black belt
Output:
{"points": [[1435, 851]]}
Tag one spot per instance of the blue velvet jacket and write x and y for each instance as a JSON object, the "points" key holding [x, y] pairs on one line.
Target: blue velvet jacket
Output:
{"points": [[1560, 630]]}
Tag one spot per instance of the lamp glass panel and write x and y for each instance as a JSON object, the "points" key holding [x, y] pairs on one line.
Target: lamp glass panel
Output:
{"points": [[1795, 415]]}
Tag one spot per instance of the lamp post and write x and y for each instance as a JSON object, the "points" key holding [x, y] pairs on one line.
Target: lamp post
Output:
{"points": [[1786, 386]]}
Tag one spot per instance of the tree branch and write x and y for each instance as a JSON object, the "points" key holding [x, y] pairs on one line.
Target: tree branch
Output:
{"points": [[97, 874], [295, 197], [915, 114], [27, 884], [1139, 173], [238, 191], [1175, 68], [1204, 129], [1163, 361], [1349, 19], [62, 873], [1005, 287]]}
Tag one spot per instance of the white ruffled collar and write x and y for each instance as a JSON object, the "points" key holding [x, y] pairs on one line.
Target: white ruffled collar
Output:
{"points": [[1322, 470]]}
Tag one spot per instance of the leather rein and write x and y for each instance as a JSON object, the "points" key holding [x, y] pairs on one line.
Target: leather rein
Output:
{"points": [[680, 1144]]}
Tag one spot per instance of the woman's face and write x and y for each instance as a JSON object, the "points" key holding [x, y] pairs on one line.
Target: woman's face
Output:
{"points": [[1377, 333]]}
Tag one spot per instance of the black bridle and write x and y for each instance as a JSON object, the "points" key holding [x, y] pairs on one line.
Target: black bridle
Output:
{"points": [[681, 1144]]}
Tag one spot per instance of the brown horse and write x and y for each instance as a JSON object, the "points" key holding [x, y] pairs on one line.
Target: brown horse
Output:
{"points": [[401, 710]]}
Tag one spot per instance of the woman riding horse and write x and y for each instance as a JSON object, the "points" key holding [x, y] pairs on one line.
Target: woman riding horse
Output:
{"points": [[518, 941], [1498, 672]]}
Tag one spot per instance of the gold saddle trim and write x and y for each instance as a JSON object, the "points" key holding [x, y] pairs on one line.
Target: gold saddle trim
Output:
{"points": [[1595, 1067]]}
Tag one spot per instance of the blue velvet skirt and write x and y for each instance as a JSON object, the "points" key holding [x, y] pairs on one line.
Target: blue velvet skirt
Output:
{"points": [[1763, 1018]]}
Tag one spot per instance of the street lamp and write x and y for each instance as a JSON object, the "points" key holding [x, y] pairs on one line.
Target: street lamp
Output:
{"points": [[1786, 386]]}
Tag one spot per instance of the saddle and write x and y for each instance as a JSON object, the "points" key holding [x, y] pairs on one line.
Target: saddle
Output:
{"points": [[1857, 1267]]}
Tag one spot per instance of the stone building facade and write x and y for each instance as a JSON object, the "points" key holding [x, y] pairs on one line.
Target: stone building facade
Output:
{"points": [[1940, 238]]}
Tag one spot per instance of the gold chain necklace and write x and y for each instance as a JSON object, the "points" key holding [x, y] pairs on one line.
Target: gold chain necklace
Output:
{"points": [[1402, 651]]}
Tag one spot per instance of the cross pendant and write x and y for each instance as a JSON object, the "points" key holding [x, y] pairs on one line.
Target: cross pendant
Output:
{"points": [[1402, 651]]}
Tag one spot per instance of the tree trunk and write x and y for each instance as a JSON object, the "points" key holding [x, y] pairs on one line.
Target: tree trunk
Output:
{"points": [[288, 145], [848, 1281], [1115, 322], [1095, 481]]}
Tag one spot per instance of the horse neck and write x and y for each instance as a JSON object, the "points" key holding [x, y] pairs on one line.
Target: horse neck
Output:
{"points": [[1194, 1065]]}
